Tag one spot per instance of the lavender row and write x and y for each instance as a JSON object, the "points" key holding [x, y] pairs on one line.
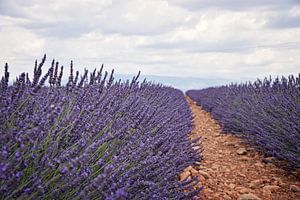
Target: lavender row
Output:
{"points": [[93, 138], [266, 113]]}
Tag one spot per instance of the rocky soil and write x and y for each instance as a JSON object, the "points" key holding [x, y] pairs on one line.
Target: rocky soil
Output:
{"points": [[232, 170]]}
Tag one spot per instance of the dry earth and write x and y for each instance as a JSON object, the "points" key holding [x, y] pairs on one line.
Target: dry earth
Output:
{"points": [[232, 170]]}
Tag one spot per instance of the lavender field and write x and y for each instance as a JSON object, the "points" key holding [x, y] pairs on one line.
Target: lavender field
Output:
{"points": [[93, 138], [100, 138], [266, 113]]}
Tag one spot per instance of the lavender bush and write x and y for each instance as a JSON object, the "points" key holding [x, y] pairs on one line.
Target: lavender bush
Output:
{"points": [[93, 138], [266, 113]]}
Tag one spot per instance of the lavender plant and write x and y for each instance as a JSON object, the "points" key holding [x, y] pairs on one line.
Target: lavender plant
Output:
{"points": [[266, 113], [93, 138]]}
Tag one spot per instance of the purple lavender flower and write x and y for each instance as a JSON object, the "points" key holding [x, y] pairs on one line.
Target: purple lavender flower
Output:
{"points": [[265, 112], [95, 139]]}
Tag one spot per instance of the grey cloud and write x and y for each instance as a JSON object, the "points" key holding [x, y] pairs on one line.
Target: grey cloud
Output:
{"points": [[59, 29], [196, 5], [228, 46], [62, 29], [201, 47], [76, 19], [284, 21], [11, 9], [44, 21], [135, 61], [132, 29]]}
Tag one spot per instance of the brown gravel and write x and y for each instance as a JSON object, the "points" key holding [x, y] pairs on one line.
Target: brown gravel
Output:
{"points": [[230, 169]]}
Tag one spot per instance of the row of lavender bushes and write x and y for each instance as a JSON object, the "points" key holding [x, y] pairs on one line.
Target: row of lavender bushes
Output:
{"points": [[93, 138], [266, 113]]}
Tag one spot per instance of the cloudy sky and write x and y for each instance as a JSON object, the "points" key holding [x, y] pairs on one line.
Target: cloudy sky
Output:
{"points": [[202, 39]]}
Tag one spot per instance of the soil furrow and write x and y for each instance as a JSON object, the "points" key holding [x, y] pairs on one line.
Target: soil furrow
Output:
{"points": [[232, 170]]}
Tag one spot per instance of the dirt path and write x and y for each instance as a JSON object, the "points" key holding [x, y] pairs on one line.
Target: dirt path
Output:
{"points": [[231, 170]]}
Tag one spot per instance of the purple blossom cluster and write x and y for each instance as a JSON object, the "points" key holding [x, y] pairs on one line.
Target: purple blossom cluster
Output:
{"points": [[266, 113], [93, 138]]}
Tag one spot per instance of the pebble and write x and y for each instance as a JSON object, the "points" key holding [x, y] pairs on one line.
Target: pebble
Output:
{"points": [[231, 186], [271, 188], [236, 145], [248, 197], [258, 164], [216, 195], [215, 167], [194, 172], [226, 197], [244, 158], [197, 148], [244, 190], [198, 163], [241, 151], [229, 143], [184, 175], [277, 181], [227, 170], [208, 190], [295, 188], [242, 175], [265, 179], [231, 193], [204, 174], [188, 168], [267, 193], [256, 183]]}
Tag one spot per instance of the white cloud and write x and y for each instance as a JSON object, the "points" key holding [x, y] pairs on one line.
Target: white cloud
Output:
{"points": [[18, 42]]}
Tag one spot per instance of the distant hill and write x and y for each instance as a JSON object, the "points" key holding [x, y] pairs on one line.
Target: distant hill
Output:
{"points": [[182, 83]]}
